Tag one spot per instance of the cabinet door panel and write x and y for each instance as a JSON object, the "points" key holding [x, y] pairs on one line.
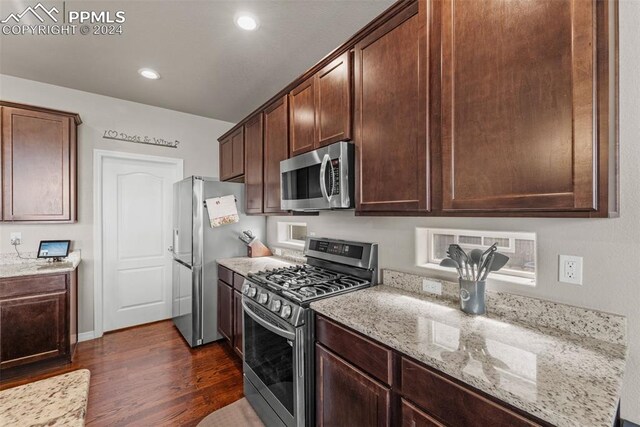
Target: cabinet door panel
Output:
{"points": [[38, 163], [32, 329], [518, 105], [225, 309], [345, 396], [237, 148], [414, 417], [302, 129], [390, 115], [226, 159], [333, 102], [276, 149], [237, 322], [253, 179]]}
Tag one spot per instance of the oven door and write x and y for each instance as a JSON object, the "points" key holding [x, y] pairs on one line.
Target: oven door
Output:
{"points": [[274, 362], [320, 179]]}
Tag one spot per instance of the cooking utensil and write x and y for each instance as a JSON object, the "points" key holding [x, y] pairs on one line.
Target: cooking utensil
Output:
{"points": [[448, 262], [496, 262], [245, 238], [462, 256], [484, 256], [249, 234], [476, 260]]}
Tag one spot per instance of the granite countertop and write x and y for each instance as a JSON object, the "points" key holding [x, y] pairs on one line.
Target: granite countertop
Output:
{"points": [[559, 377], [11, 266], [59, 401], [246, 265]]}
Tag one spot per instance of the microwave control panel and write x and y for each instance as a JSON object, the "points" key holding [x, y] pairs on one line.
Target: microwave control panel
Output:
{"points": [[335, 164]]}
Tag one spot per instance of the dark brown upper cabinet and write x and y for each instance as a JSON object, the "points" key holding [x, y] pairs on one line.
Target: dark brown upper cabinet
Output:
{"points": [[38, 164], [390, 115], [464, 108], [302, 130], [333, 101], [519, 106], [254, 160], [320, 108], [276, 149], [232, 156]]}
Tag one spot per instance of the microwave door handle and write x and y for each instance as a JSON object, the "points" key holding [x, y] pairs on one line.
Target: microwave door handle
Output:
{"points": [[323, 169], [273, 328]]}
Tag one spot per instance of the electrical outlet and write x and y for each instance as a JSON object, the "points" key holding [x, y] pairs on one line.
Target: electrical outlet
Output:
{"points": [[570, 269], [16, 238], [432, 286]]}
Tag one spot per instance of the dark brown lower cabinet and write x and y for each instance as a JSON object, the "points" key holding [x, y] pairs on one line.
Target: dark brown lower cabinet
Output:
{"points": [[225, 309], [230, 307], [346, 396], [38, 319], [347, 392], [414, 417], [237, 322]]}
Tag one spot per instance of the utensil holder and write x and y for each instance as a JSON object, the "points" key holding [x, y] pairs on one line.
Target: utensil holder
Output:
{"points": [[472, 296]]}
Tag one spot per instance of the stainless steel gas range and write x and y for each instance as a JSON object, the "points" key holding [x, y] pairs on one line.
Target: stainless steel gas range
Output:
{"points": [[278, 330]]}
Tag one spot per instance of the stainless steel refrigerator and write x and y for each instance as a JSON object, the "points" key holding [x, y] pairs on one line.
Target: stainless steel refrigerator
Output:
{"points": [[196, 247]]}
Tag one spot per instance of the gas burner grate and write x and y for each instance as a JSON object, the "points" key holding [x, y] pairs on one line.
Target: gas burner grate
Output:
{"points": [[305, 282]]}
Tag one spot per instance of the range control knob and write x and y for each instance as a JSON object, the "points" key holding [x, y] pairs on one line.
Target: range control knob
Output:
{"points": [[245, 289], [252, 292], [263, 298], [275, 305], [286, 311]]}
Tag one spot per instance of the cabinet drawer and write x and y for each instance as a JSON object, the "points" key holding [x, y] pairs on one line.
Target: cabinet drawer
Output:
{"points": [[414, 417], [238, 280], [30, 285], [225, 275], [362, 352], [452, 403]]}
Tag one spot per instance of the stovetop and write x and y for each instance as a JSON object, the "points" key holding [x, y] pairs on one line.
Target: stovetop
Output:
{"points": [[304, 283]]}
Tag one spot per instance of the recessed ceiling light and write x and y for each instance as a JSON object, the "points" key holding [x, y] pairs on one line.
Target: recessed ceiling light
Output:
{"points": [[148, 73], [246, 22]]}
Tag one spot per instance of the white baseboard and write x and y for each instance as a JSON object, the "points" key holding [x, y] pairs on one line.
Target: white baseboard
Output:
{"points": [[86, 336]]}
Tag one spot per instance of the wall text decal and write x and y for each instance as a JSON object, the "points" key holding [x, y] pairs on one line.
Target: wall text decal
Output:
{"points": [[138, 139]]}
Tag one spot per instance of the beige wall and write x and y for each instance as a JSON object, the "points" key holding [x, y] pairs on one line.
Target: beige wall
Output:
{"points": [[610, 247], [198, 148]]}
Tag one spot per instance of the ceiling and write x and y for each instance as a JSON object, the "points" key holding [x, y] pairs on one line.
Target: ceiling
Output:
{"points": [[209, 67]]}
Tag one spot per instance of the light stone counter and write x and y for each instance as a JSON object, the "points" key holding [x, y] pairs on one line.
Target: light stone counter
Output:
{"points": [[246, 265], [557, 376], [56, 401], [12, 266]]}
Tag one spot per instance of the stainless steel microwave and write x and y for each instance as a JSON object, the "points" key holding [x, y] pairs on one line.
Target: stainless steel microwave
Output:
{"points": [[321, 179]]}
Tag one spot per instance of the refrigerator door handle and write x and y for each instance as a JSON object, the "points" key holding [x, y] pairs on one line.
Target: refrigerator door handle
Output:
{"points": [[174, 247]]}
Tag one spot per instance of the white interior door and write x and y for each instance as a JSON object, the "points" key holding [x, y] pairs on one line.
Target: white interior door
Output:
{"points": [[137, 199]]}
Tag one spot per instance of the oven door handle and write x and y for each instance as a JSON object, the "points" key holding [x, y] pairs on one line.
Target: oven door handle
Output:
{"points": [[326, 160], [273, 328]]}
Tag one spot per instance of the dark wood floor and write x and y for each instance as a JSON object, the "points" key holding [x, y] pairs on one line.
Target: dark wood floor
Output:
{"points": [[148, 376]]}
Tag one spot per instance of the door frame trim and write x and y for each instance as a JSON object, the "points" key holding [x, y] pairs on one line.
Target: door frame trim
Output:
{"points": [[98, 159]]}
